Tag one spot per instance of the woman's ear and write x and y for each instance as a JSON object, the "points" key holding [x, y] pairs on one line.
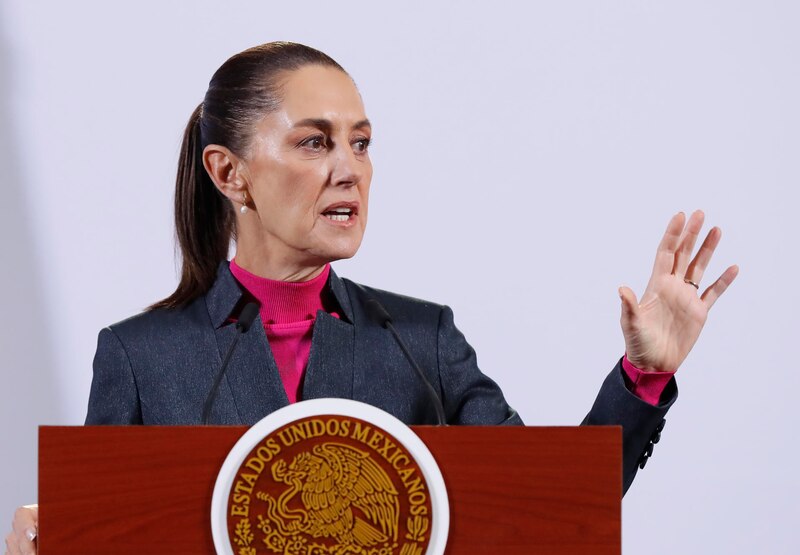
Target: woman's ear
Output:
{"points": [[226, 171]]}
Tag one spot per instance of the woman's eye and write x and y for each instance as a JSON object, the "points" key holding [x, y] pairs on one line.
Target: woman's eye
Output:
{"points": [[316, 142], [361, 145]]}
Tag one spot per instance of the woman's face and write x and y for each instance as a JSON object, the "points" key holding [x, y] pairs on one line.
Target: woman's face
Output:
{"points": [[308, 172]]}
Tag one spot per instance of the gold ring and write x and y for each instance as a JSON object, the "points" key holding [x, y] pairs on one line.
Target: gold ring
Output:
{"points": [[690, 282]]}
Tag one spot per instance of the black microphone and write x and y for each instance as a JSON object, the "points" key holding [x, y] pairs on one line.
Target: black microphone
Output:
{"points": [[246, 318], [380, 316]]}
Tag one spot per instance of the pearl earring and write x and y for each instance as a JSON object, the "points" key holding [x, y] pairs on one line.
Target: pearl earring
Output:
{"points": [[244, 207]]}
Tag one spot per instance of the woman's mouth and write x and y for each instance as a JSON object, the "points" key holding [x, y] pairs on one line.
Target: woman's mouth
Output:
{"points": [[342, 213], [339, 214]]}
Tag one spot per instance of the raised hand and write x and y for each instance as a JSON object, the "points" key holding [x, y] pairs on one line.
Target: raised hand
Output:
{"points": [[664, 325]]}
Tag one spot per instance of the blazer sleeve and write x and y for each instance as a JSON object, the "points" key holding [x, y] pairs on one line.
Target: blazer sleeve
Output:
{"points": [[641, 422], [469, 396], [114, 397]]}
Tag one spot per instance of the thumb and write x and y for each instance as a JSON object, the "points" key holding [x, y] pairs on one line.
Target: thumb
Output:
{"points": [[630, 306]]}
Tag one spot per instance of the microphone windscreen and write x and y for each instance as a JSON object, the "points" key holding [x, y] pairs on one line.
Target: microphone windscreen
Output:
{"points": [[247, 316], [377, 313]]}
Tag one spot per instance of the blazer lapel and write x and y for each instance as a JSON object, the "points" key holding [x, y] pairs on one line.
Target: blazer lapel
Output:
{"points": [[252, 376], [331, 363], [252, 385]]}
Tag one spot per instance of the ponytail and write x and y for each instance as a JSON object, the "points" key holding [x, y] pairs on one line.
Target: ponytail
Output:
{"points": [[204, 220]]}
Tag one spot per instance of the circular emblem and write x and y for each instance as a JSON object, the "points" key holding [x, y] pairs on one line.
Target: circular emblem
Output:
{"points": [[329, 477]]}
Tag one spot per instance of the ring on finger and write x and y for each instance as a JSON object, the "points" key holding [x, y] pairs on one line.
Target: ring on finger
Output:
{"points": [[690, 282]]}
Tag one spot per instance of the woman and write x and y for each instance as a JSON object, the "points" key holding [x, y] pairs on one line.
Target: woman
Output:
{"points": [[277, 158]]}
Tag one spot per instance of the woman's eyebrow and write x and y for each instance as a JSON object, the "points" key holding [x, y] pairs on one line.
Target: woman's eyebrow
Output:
{"points": [[326, 124], [363, 124]]}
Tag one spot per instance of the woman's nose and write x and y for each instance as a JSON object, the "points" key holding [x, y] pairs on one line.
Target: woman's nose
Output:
{"points": [[347, 170]]}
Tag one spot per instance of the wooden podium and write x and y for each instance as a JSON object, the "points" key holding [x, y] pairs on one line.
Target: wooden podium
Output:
{"points": [[147, 489]]}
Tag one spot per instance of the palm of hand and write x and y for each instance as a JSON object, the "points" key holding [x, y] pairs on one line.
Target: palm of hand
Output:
{"points": [[662, 328]]}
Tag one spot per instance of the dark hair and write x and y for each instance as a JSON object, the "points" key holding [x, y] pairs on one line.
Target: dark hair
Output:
{"points": [[241, 92]]}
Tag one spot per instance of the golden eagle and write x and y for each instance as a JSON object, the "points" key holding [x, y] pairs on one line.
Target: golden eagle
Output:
{"points": [[333, 480]]}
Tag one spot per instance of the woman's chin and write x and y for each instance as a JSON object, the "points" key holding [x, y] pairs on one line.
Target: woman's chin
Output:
{"points": [[341, 244], [343, 253], [339, 249]]}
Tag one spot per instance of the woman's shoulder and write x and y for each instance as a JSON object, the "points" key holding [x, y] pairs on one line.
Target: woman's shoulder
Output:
{"points": [[161, 322]]}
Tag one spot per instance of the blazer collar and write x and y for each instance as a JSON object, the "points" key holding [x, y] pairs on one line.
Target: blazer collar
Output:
{"points": [[225, 296]]}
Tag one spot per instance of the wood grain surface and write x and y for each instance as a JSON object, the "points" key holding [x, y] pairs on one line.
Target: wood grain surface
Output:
{"points": [[513, 490]]}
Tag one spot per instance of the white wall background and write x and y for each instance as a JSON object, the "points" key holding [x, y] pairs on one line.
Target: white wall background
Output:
{"points": [[527, 157]]}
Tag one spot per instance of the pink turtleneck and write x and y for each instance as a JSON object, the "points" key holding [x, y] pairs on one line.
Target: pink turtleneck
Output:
{"points": [[288, 310], [647, 386]]}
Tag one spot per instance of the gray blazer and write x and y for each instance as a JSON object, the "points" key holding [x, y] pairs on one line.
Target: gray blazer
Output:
{"points": [[157, 368]]}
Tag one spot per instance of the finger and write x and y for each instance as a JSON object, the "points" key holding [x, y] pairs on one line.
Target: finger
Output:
{"points": [[665, 255], [34, 514], [25, 528], [630, 307], [716, 289], [697, 268], [688, 240], [24, 518], [24, 546]]}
